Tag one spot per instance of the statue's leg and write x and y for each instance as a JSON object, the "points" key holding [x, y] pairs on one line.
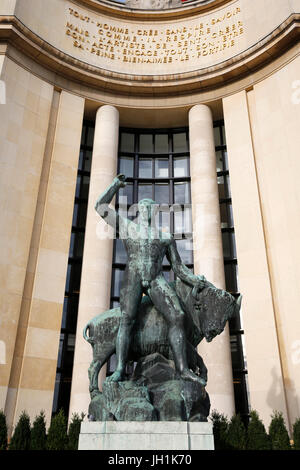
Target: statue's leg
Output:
{"points": [[167, 303], [195, 359], [202, 369], [130, 299]]}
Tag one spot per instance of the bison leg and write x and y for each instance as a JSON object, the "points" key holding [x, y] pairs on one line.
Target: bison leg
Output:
{"points": [[95, 366], [93, 373]]}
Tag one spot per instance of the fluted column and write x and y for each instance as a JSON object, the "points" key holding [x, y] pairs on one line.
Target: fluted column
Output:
{"points": [[208, 251], [97, 256]]}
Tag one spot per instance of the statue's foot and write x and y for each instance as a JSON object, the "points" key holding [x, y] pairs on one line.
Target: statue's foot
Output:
{"points": [[203, 377], [117, 376], [94, 393], [203, 381], [187, 374]]}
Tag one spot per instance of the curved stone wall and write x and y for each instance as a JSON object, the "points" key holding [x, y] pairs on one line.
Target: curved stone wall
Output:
{"points": [[156, 4], [60, 61], [147, 55]]}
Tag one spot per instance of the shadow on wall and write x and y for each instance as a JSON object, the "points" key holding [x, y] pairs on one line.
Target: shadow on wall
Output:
{"points": [[276, 396]]}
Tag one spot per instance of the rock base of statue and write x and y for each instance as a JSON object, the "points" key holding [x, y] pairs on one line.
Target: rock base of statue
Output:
{"points": [[154, 393], [151, 436]]}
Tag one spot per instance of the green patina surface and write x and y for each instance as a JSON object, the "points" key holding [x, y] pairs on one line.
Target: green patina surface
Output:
{"points": [[155, 317]]}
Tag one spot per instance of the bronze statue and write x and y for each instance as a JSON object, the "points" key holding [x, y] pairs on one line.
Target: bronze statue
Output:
{"points": [[143, 275], [158, 325]]}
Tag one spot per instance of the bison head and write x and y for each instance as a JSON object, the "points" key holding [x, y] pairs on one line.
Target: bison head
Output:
{"points": [[215, 307], [209, 308]]}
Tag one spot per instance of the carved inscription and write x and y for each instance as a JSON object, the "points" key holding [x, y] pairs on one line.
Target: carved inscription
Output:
{"points": [[150, 45]]}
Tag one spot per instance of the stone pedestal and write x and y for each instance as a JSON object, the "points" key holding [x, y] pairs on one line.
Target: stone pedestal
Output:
{"points": [[154, 393], [147, 435]]}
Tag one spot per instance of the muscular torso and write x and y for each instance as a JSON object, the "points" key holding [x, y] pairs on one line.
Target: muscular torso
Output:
{"points": [[146, 249]]}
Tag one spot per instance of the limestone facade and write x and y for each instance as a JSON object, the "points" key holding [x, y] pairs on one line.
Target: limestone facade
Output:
{"points": [[97, 267], [233, 60]]}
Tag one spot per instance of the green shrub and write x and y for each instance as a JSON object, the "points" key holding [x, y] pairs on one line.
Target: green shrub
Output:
{"points": [[21, 436], [57, 438], [278, 433], [236, 434], [296, 434], [38, 433], [220, 427], [257, 437], [3, 431], [74, 431]]}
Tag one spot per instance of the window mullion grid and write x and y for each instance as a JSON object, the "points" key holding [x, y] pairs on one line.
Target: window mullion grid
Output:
{"points": [[135, 169], [171, 176], [64, 370], [231, 260], [170, 180], [153, 166]]}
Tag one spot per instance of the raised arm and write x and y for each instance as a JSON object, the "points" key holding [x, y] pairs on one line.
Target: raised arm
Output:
{"points": [[184, 273], [102, 204]]}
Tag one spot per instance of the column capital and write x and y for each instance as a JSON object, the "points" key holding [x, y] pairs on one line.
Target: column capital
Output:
{"points": [[107, 112], [200, 111]]}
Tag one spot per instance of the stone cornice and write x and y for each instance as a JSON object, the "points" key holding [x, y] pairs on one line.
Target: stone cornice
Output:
{"points": [[15, 33]]}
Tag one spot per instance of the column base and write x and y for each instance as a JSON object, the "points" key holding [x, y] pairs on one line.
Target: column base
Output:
{"points": [[147, 435]]}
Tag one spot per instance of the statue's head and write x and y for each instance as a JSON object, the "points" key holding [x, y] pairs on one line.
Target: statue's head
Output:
{"points": [[147, 209]]}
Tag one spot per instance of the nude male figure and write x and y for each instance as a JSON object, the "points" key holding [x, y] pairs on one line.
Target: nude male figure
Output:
{"points": [[146, 249]]}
